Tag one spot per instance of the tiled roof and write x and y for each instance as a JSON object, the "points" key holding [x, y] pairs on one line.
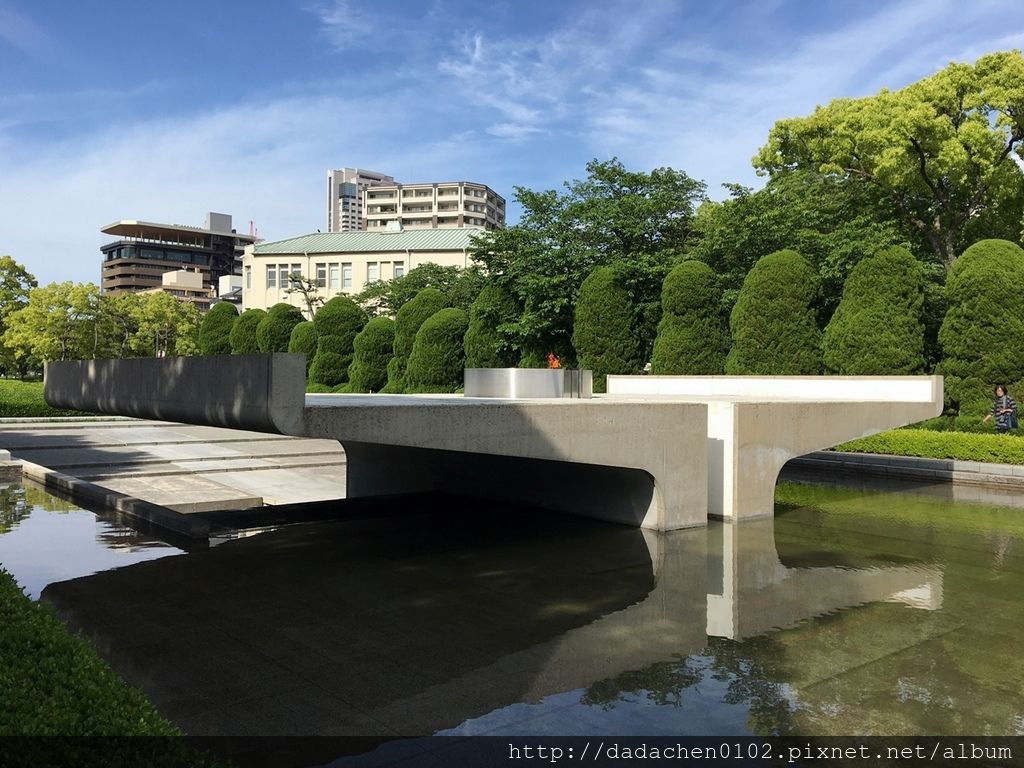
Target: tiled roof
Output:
{"points": [[453, 239]]}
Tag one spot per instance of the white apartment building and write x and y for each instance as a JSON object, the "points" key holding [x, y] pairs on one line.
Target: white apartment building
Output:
{"points": [[438, 205], [345, 262], [345, 189]]}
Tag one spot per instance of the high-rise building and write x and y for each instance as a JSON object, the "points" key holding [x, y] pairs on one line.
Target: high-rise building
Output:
{"points": [[143, 251], [345, 197], [437, 205]]}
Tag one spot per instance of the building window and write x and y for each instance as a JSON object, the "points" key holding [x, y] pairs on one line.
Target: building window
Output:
{"points": [[346, 275], [335, 277], [271, 276], [399, 269], [248, 277], [296, 273], [321, 275], [372, 271]]}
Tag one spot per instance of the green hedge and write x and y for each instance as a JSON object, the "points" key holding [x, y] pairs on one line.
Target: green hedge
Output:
{"points": [[407, 323], [603, 332], [925, 443], [692, 336], [303, 341], [374, 346], [243, 332], [486, 346], [275, 330], [438, 358], [215, 329], [24, 399]]}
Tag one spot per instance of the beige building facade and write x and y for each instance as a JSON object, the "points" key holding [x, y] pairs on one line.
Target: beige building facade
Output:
{"points": [[344, 263], [433, 206], [185, 285]]}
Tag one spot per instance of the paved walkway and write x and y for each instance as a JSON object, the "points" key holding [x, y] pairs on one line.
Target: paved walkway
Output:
{"points": [[182, 467]]}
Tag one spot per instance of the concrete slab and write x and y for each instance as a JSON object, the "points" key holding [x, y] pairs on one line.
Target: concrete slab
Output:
{"points": [[184, 494]]}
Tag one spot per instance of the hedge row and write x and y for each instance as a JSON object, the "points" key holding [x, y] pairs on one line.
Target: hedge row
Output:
{"points": [[24, 399], [999, 449]]}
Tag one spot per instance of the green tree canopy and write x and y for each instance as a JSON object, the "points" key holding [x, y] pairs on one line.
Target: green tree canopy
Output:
{"points": [[374, 346], [877, 329], [58, 322], [386, 297], [940, 148], [604, 333], [692, 335], [340, 316], [614, 216], [304, 341], [487, 346], [437, 359], [275, 330], [15, 284], [215, 329], [243, 332], [407, 324], [981, 335], [773, 324]]}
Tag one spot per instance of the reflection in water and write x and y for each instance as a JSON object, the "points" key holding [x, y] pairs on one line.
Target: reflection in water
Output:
{"points": [[850, 613], [44, 539]]}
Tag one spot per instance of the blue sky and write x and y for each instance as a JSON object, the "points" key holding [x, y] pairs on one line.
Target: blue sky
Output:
{"points": [[163, 111]]}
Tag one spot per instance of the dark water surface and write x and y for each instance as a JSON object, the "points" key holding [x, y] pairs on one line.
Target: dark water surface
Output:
{"points": [[852, 612]]}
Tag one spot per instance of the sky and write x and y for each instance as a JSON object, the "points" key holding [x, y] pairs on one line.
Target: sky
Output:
{"points": [[112, 109]]}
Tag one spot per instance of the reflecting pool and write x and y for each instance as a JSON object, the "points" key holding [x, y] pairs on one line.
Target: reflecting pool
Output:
{"points": [[851, 612]]}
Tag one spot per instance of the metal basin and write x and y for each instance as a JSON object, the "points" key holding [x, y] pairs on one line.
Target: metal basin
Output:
{"points": [[528, 382]]}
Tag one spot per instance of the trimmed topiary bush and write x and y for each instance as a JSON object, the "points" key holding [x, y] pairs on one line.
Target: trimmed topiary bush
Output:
{"points": [[243, 332], [275, 330], [485, 346], [773, 324], [603, 332], [340, 317], [407, 323], [692, 335], [877, 329], [303, 341], [981, 335], [215, 329], [438, 359], [329, 369], [374, 346]]}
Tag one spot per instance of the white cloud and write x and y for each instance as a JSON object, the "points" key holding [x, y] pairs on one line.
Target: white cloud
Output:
{"points": [[19, 31], [344, 23]]}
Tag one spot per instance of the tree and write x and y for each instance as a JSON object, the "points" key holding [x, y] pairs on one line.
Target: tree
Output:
{"points": [[692, 336], [410, 317], [374, 346], [308, 288], [437, 359], [614, 216], [981, 335], [386, 297], [303, 341], [58, 322], [215, 329], [604, 334], [773, 324], [485, 343], [940, 149], [877, 329], [15, 284], [275, 330], [340, 316], [243, 332], [165, 326]]}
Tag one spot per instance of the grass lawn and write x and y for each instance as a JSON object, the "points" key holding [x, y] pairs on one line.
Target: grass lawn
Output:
{"points": [[25, 398], [926, 443]]}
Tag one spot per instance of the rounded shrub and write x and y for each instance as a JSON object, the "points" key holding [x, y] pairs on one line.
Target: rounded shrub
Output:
{"points": [[877, 329], [438, 359], [328, 370], [773, 324], [692, 335], [340, 317], [407, 323], [981, 335], [215, 329], [243, 332], [374, 346], [275, 330], [303, 341], [603, 332], [485, 346]]}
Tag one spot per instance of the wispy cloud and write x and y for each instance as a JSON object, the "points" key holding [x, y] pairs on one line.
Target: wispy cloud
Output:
{"points": [[344, 23], [19, 31]]}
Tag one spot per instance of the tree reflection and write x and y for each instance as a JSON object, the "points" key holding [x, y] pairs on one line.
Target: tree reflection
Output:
{"points": [[13, 507]]}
